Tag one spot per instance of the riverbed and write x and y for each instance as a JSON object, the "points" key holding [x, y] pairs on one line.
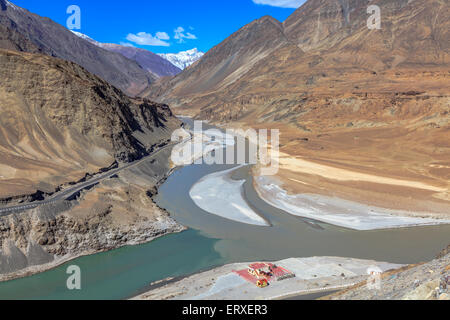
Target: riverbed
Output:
{"points": [[288, 235], [213, 240]]}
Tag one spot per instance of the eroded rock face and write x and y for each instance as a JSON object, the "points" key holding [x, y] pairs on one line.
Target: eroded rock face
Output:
{"points": [[114, 214], [58, 125], [428, 281], [64, 96], [26, 242], [59, 122]]}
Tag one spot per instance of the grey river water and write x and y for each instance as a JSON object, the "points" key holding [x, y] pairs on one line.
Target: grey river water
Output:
{"points": [[213, 241]]}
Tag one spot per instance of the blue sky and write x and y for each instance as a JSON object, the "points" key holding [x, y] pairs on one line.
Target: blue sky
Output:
{"points": [[162, 26]]}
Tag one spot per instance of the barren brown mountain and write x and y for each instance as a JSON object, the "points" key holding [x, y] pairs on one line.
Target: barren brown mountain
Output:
{"points": [[364, 113], [227, 62], [58, 122], [22, 30], [149, 61]]}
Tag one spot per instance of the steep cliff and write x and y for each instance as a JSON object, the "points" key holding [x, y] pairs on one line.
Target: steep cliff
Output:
{"points": [[58, 122]]}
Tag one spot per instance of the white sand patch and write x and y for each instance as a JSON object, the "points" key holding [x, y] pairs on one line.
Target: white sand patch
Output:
{"points": [[222, 284], [218, 194], [321, 267], [337, 211]]}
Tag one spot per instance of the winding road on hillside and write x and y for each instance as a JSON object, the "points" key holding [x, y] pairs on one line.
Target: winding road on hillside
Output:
{"points": [[67, 193]]}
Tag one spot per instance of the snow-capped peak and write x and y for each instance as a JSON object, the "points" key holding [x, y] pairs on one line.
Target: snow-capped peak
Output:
{"points": [[183, 59], [85, 37], [154, 64]]}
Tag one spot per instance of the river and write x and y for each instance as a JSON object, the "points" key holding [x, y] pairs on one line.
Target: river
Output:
{"points": [[212, 241]]}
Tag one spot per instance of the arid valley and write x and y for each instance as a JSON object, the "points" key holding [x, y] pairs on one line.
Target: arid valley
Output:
{"points": [[353, 96]]}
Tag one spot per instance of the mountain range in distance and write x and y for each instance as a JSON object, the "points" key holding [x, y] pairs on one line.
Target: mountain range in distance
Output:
{"points": [[183, 59], [162, 65], [21, 30], [339, 92], [79, 110], [129, 69], [151, 62]]}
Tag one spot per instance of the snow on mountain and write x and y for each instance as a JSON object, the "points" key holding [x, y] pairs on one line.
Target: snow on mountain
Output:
{"points": [[153, 63], [183, 59], [85, 37]]}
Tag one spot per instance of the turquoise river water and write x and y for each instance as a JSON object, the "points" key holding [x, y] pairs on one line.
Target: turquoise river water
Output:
{"points": [[213, 241]]}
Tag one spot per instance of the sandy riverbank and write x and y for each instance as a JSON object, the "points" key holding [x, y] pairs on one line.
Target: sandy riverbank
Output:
{"points": [[311, 275], [218, 194], [381, 167], [340, 212]]}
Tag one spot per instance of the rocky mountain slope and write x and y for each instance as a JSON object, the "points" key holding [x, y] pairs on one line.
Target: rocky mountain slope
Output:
{"points": [[22, 30], [153, 63], [344, 96], [183, 59], [426, 281], [225, 63], [115, 213], [58, 122], [321, 41]]}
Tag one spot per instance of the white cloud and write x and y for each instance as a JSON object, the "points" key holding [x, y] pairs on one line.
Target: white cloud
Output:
{"points": [[281, 3], [162, 36], [147, 39], [180, 35]]}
